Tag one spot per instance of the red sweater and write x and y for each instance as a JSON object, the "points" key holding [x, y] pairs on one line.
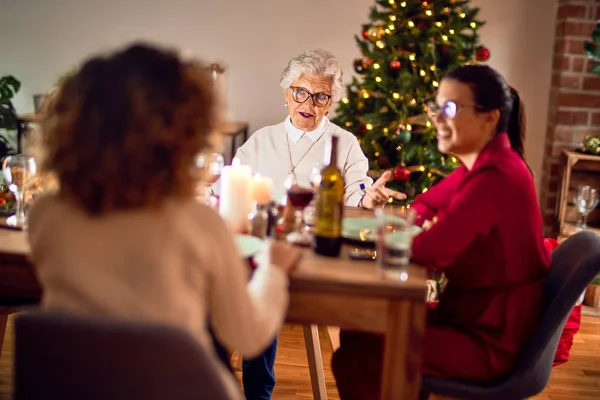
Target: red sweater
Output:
{"points": [[488, 241]]}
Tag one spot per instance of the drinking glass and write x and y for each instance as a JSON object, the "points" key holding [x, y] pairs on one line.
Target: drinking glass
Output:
{"points": [[212, 164], [394, 238], [314, 178], [585, 201], [18, 172], [299, 195]]}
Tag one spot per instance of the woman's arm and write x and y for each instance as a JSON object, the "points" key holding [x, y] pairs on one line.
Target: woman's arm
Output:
{"points": [[428, 204], [355, 172], [244, 316], [473, 212]]}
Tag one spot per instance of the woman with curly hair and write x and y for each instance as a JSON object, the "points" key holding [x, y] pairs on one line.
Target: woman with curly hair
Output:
{"points": [[124, 236]]}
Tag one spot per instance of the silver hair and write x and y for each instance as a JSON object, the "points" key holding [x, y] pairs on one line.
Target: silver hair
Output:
{"points": [[317, 62]]}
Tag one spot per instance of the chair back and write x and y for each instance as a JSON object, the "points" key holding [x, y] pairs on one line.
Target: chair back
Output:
{"points": [[63, 356], [575, 263]]}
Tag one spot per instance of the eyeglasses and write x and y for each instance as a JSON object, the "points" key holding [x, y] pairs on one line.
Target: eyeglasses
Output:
{"points": [[448, 110], [300, 95]]}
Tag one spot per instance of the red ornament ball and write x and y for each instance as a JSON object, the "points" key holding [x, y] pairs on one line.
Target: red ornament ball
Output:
{"points": [[395, 64], [365, 34], [368, 62], [401, 174], [482, 54]]}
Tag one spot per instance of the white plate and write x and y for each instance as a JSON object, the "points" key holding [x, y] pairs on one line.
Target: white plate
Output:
{"points": [[280, 199], [363, 229], [248, 245]]}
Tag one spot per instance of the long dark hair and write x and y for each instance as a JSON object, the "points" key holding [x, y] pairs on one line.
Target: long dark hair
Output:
{"points": [[491, 92]]}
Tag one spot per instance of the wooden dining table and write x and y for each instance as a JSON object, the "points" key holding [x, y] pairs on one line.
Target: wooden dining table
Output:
{"points": [[324, 291]]}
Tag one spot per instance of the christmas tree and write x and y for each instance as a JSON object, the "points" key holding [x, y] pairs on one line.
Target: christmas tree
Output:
{"points": [[406, 49]]}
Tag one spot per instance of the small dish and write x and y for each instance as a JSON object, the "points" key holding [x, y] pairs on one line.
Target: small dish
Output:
{"points": [[248, 245], [364, 229]]}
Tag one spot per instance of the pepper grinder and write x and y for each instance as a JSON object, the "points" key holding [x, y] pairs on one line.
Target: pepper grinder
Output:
{"points": [[259, 220]]}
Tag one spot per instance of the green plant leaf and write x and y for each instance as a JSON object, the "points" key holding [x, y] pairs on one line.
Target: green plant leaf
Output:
{"points": [[596, 34], [9, 86], [592, 51]]}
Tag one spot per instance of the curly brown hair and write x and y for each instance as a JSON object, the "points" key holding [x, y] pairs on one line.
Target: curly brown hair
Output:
{"points": [[125, 130]]}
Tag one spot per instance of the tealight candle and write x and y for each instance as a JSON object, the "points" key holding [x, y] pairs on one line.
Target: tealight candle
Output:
{"points": [[261, 189]]}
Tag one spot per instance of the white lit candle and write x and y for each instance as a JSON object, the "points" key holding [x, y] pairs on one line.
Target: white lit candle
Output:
{"points": [[261, 189], [234, 200]]}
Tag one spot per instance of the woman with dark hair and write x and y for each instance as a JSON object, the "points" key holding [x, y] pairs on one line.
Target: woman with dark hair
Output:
{"points": [[487, 239]]}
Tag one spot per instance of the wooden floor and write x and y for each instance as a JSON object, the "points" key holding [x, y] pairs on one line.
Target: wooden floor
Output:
{"points": [[579, 379]]}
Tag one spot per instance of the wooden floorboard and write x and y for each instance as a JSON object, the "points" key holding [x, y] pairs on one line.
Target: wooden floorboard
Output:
{"points": [[577, 379]]}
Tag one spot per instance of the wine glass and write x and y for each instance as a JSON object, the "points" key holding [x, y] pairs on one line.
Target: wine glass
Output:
{"points": [[212, 164], [18, 172], [314, 178], [585, 201], [299, 196]]}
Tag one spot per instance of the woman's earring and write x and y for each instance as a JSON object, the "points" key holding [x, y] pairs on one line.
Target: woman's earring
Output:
{"points": [[286, 104]]}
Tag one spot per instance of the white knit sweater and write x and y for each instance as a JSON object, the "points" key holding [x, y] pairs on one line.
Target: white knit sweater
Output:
{"points": [[267, 152]]}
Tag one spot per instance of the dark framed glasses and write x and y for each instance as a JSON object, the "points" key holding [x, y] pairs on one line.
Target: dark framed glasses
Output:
{"points": [[448, 110], [300, 95]]}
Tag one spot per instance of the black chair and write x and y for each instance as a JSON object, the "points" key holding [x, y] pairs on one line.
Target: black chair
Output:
{"points": [[60, 356], [574, 264], [10, 306]]}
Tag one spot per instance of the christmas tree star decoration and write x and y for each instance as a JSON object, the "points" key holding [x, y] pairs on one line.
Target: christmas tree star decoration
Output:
{"points": [[406, 50]]}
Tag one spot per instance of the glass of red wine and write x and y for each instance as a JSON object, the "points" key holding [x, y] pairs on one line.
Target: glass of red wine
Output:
{"points": [[299, 196]]}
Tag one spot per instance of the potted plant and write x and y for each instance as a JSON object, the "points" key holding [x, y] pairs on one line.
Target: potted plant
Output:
{"points": [[592, 293], [592, 48], [9, 86]]}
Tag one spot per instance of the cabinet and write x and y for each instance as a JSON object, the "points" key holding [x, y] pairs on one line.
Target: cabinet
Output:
{"points": [[578, 169]]}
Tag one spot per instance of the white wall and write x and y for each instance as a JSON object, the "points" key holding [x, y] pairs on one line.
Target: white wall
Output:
{"points": [[41, 39], [520, 35]]}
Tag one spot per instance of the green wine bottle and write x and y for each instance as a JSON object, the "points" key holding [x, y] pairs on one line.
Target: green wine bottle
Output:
{"points": [[330, 207]]}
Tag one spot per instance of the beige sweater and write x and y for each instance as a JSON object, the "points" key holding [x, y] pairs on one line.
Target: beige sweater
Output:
{"points": [[179, 266]]}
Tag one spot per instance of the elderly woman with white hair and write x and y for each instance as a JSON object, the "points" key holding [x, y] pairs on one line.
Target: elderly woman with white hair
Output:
{"points": [[311, 83]]}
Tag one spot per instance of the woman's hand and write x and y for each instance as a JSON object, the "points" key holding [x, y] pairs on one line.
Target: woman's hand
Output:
{"points": [[429, 223], [378, 195], [283, 255]]}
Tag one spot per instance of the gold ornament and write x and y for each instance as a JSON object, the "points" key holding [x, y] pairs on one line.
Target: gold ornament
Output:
{"points": [[375, 33]]}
